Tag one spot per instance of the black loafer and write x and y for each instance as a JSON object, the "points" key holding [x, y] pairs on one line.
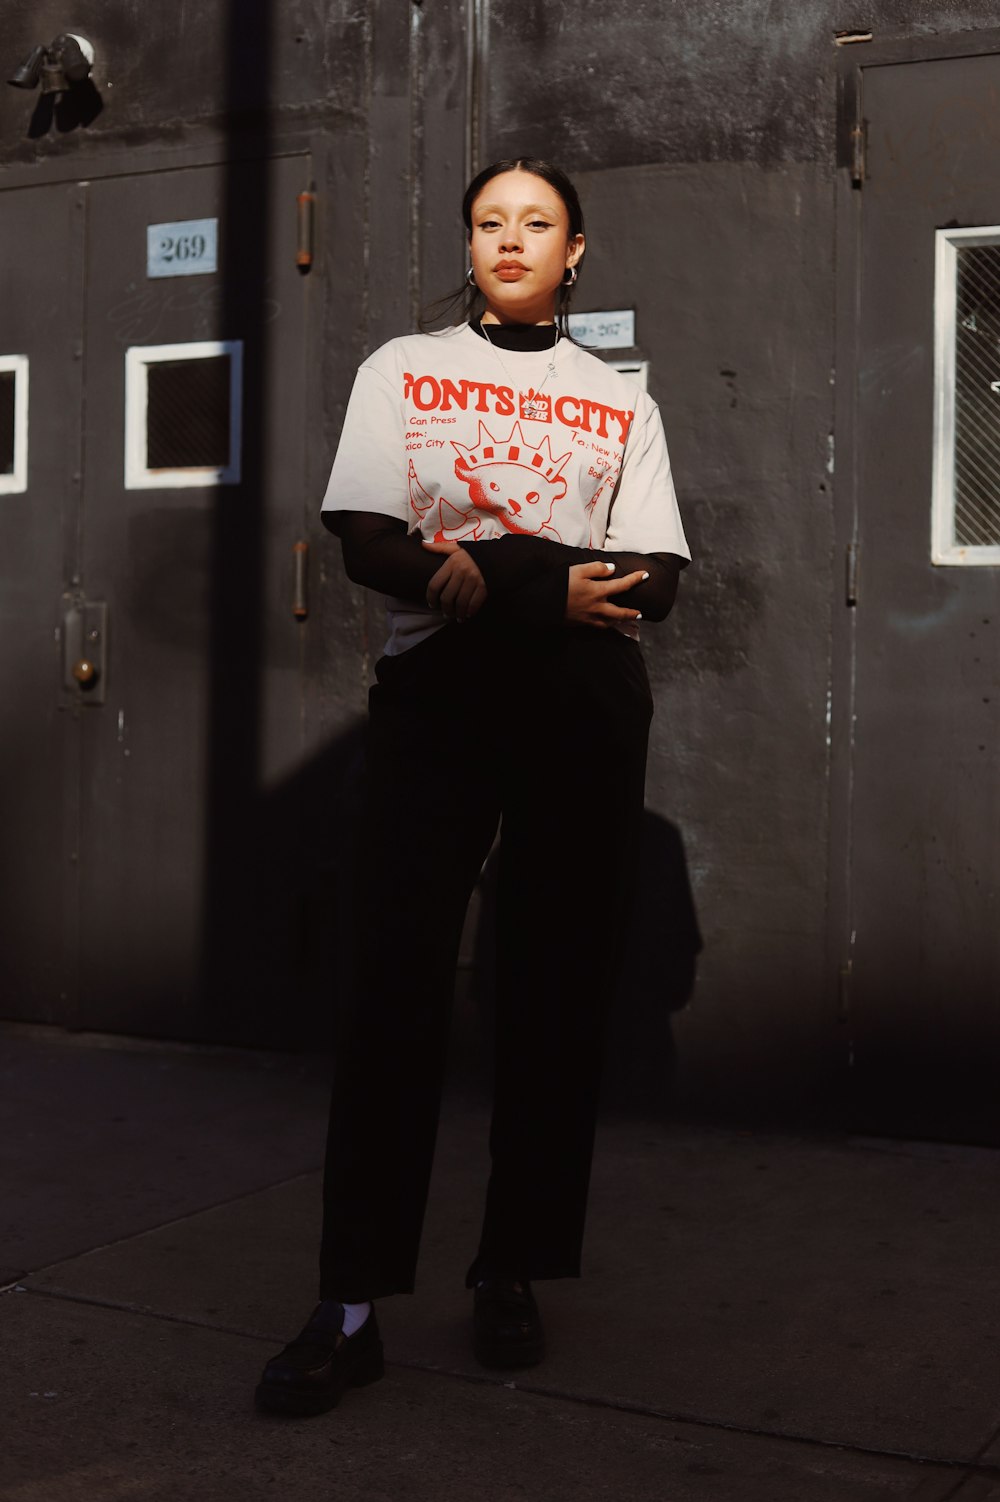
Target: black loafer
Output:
{"points": [[310, 1375], [506, 1326]]}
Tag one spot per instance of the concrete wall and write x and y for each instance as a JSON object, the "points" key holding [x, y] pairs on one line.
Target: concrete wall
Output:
{"points": [[703, 140]]}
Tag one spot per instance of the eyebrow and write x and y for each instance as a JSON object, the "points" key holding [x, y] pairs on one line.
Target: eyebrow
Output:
{"points": [[528, 208]]}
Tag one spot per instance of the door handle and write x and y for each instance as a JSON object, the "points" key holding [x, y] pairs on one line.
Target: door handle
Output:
{"points": [[300, 588], [84, 672]]}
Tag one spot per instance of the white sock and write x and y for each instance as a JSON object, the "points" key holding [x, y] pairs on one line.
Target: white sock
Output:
{"points": [[355, 1316]]}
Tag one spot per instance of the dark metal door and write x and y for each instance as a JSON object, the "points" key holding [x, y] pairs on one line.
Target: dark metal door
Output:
{"points": [[204, 680], [181, 451], [925, 833], [41, 326]]}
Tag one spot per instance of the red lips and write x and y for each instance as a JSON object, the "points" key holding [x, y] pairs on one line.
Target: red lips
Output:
{"points": [[510, 271]]}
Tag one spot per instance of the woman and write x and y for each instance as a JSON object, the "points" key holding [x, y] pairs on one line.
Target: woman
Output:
{"points": [[512, 495]]}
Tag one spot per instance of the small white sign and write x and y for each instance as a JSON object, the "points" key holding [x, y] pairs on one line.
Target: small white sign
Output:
{"points": [[636, 371], [189, 247], [604, 330]]}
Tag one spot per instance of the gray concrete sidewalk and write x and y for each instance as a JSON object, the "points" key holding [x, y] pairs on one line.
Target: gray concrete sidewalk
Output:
{"points": [[761, 1316]]}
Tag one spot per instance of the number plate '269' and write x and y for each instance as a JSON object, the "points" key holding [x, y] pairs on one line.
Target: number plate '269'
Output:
{"points": [[187, 248]]}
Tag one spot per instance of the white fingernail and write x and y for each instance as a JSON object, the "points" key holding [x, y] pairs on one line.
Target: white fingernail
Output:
{"points": [[645, 576], [638, 615], [610, 567]]}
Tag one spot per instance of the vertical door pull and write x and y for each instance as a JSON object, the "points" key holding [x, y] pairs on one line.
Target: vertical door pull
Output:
{"points": [[851, 581], [300, 598], [306, 213]]}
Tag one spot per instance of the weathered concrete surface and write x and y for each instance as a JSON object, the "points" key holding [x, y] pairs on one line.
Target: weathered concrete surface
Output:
{"points": [[747, 407], [761, 1316], [801, 1288], [662, 80], [163, 75], [100, 1141], [108, 1405]]}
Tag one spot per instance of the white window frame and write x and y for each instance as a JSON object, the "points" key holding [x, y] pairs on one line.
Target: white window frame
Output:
{"points": [[138, 358], [944, 549], [16, 483]]}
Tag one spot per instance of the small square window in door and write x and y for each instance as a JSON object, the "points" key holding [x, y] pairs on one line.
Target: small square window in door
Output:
{"points": [[187, 413], [13, 424], [977, 397], [8, 397], [182, 414], [965, 508]]}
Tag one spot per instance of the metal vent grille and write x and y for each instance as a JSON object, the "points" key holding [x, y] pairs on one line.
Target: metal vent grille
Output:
{"points": [[977, 397], [187, 414], [8, 395]]}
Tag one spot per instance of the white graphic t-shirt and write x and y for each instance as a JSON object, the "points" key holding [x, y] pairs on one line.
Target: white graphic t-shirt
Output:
{"points": [[467, 442]]}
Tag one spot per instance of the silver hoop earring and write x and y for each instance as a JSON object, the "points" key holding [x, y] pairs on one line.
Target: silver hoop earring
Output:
{"points": [[470, 277], [569, 276]]}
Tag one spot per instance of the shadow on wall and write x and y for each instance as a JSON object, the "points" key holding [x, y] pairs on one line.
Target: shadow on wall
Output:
{"points": [[278, 864], [657, 979], [76, 109], [290, 917], [307, 836], [234, 866]]}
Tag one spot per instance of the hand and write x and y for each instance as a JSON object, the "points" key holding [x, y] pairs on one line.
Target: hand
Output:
{"points": [[588, 598], [458, 589]]}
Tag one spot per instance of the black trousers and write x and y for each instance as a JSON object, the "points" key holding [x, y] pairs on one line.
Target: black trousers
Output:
{"points": [[545, 731]]}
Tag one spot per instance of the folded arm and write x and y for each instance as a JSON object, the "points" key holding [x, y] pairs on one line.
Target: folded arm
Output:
{"points": [[526, 579]]}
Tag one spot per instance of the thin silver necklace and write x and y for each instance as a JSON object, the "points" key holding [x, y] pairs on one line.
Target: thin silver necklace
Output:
{"points": [[532, 408]]}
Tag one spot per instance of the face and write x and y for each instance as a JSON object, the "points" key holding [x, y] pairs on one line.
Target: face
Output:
{"points": [[521, 246]]}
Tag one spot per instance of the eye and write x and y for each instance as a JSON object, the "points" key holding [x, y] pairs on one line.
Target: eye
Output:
{"points": [[494, 485], [489, 223], [539, 224], [532, 497]]}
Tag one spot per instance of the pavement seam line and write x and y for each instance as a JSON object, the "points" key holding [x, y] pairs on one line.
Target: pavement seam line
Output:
{"points": [[969, 1467], [163, 1225]]}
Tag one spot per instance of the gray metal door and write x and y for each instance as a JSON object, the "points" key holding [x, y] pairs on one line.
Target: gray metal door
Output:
{"points": [[176, 424], [925, 823]]}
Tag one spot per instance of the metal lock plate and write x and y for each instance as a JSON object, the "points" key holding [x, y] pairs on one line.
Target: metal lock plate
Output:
{"points": [[85, 651]]}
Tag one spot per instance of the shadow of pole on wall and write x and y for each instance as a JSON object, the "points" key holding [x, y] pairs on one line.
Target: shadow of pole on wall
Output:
{"points": [[233, 847]]}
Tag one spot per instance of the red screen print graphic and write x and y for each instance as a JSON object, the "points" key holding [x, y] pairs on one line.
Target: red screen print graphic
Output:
{"points": [[444, 522], [508, 479], [606, 475], [513, 481]]}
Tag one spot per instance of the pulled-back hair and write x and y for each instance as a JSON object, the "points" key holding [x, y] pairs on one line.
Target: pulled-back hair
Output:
{"points": [[466, 301]]}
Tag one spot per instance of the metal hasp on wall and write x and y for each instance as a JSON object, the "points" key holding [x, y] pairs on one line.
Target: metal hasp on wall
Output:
{"points": [[85, 651], [852, 127]]}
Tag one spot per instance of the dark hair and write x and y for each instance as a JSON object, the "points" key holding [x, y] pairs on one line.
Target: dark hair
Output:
{"points": [[465, 300]]}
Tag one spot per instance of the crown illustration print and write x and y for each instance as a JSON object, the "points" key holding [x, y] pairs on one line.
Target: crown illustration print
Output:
{"points": [[513, 480]]}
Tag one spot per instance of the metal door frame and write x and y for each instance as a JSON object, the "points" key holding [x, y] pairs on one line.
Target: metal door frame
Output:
{"points": [[848, 580]]}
